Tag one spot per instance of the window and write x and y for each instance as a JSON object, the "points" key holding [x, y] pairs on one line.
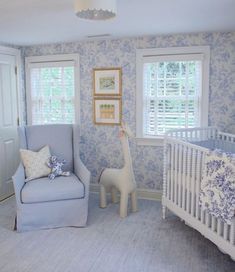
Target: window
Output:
{"points": [[172, 91], [52, 89]]}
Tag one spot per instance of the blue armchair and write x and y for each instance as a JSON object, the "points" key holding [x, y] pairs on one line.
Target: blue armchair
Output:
{"points": [[41, 203]]}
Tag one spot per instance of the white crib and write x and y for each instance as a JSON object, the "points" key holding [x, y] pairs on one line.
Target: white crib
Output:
{"points": [[184, 154]]}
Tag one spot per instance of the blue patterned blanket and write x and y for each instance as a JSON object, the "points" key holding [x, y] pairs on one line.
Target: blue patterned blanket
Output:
{"points": [[217, 194]]}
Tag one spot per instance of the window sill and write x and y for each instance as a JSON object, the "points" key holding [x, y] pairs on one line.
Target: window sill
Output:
{"points": [[150, 141]]}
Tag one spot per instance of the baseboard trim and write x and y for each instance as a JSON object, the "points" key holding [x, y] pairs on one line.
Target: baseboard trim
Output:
{"points": [[6, 198], [142, 193]]}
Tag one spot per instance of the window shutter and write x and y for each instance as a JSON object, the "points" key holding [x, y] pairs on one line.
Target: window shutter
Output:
{"points": [[171, 93], [52, 92]]}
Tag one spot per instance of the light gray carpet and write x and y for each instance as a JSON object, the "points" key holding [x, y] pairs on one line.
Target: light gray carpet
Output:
{"points": [[142, 242]]}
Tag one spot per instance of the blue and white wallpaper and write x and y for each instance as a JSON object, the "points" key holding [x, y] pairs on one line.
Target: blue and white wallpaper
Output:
{"points": [[100, 145]]}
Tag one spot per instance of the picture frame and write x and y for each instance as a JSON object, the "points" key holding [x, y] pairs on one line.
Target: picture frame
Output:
{"points": [[107, 81], [107, 111]]}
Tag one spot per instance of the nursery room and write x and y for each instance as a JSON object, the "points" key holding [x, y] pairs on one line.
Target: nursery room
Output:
{"points": [[117, 136]]}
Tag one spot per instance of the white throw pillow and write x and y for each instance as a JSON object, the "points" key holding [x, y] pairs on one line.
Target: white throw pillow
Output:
{"points": [[35, 163]]}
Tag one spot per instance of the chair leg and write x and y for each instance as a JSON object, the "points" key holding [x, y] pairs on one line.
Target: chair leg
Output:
{"points": [[134, 205], [114, 195], [15, 223], [163, 212], [123, 205], [103, 200]]}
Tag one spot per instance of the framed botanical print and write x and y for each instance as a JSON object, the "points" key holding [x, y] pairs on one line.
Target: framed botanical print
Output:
{"points": [[107, 111], [107, 82]]}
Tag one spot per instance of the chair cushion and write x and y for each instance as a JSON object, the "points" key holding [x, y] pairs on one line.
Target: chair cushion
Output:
{"points": [[45, 190], [59, 138]]}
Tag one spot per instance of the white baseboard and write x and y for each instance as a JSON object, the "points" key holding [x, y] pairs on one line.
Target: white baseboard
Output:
{"points": [[142, 193], [6, 198]]}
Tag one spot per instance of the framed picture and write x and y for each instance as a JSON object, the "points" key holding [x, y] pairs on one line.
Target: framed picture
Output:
{"points": [[107, 82], [107, 111]]}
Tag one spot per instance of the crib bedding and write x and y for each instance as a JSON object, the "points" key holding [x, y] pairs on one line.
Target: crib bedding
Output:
{"points": [[217, 194]]}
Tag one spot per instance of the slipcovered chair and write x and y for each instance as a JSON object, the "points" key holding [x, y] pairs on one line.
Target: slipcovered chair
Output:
{"points": [[42, 203]]}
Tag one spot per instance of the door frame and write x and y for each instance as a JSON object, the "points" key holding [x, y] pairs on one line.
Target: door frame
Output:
{"points": [[17, 54]]}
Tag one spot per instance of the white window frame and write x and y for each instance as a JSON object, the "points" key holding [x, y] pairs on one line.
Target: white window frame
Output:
{"points": [[141, 55], [53, 58]]}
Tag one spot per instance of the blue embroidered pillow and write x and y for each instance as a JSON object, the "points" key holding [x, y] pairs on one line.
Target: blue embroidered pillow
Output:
{"points": [[56, 168]]}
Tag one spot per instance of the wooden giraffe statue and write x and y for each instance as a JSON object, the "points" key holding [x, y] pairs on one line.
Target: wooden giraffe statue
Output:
{"points": [[122, 179]]}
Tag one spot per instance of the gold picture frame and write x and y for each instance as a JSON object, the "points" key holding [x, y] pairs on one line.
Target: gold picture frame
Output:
{"points": [[107, 81], [107, 111]]}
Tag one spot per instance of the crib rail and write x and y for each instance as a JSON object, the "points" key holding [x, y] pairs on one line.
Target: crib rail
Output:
{"points": [[226, 141], [226, 137], [183, 166], [194, 134]]}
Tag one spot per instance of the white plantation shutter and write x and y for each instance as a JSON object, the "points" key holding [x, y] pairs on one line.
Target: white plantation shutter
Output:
{"points": [[52, 92], [172, 87]]}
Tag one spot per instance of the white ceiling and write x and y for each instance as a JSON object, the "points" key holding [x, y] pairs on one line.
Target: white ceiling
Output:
{"points": [[26, 22]]}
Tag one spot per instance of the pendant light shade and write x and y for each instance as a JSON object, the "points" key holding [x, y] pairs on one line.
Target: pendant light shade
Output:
{"points": [[96, 9]]}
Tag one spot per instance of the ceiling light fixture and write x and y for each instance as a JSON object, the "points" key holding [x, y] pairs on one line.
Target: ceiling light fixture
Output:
{"points": [[96, 9]]}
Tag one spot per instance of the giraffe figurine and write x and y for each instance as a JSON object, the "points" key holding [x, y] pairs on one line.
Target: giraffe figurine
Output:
{"points": [[122, 180]]}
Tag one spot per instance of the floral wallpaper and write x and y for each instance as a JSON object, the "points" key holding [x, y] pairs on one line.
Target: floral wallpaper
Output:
{"points": [[100, 145]]}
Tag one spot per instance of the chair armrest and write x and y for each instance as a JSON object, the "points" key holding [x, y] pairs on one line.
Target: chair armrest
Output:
{"points": [[79, 168], [82, 172], [19, 181]]}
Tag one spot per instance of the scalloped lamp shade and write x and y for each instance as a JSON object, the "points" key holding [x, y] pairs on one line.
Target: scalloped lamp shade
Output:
{"points": [[95, 9]]}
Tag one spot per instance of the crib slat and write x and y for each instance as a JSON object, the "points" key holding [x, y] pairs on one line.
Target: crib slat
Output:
{"points": [[202, 161], [164, 191], [225, 231], [176, 173], [190, 135], [202, 134], [207, 219], [214, 133], [193, 182], [198, 135], [188, 179], [219, 227], [208, 134], [198, 181], [168, 169], [213, 223], [184, 176], [232, 232], [172, 169], [181, 134], [180, 175], [204, 137], [202, 216]]}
